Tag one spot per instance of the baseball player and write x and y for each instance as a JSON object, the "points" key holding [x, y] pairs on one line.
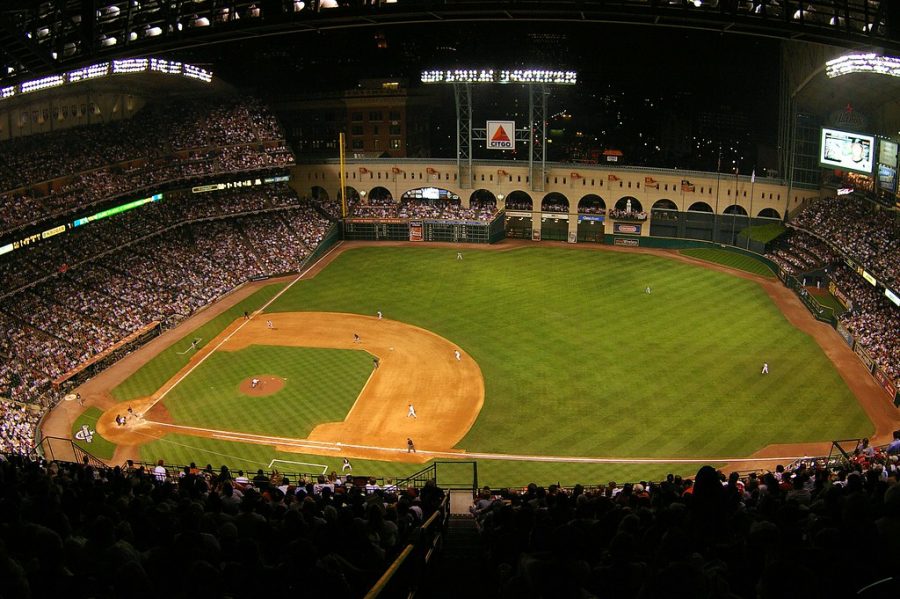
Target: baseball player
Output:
{"points": [[346, 465], [269, 324], [647, 290], [379, 315], [410, 446], [356, 338], [765, 369], [375, 362], [458, 355], [254, 383], [459, 255], [411, 412]]}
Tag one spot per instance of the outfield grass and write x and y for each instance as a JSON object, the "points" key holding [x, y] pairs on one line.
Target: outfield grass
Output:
{"points": [[320, 386], [99, 447], [162, 367], [731, 259], [579, 361], [182, 449], [585, 363]]}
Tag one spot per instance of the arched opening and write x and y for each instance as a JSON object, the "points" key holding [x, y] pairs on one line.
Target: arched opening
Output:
{"points": [[591, 216], [664, 205], [352, 196], [591, 204], [769, 213], [628, 208], [379, 196], [736, 209], [319, 194], [519, 200], [555, 202], [429, 202], [482, 204], [518, 215], [700, 207]]}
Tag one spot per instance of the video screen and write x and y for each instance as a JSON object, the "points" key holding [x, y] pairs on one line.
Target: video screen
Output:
{"points": [[848, 151], [887, 153]]}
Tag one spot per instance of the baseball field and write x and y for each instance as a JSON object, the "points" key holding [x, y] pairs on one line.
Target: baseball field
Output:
{"points": [[575, 365]]}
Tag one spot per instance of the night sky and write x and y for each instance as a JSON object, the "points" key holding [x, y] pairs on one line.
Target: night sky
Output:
{"points": [[680, 72]]}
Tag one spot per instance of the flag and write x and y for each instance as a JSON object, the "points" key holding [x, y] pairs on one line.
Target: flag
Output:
{"points": [[613, 178], [753, 176], [574, 175], [686, 185], [651, 182]]}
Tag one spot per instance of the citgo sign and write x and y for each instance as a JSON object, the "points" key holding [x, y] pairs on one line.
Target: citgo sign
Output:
{"points": [[501, 135]]}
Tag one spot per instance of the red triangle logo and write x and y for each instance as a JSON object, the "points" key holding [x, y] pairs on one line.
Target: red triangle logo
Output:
{"points": [[500, 134]]}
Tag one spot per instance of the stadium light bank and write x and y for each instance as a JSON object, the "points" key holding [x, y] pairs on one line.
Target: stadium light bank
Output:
{"points": [[124, 66], [863, 63], [502, 76]]}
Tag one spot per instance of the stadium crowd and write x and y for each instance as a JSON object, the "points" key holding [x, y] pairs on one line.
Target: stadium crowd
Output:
{"points": [[797, 252], [873, 320], [163, 142], [77, 294], [761, 535], [416, 208], [871, 237], [85, 531]]}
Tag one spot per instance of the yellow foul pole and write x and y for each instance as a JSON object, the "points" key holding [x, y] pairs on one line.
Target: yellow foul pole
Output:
{"points": [[343, 181]]}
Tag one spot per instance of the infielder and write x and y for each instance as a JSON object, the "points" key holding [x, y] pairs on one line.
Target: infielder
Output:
{"points": [[411, 412], [458, 355]]}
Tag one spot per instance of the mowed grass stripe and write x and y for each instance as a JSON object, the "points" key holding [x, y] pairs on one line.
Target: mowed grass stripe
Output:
{"points": [[732, 259], [167, 363], [320, 385], [583, 362]]}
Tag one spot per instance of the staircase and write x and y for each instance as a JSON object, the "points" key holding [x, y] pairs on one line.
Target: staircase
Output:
{"points": [[461, 570]]}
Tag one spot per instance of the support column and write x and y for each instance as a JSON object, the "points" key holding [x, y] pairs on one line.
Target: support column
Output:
{"points": [[537, 122], [462, 92]]}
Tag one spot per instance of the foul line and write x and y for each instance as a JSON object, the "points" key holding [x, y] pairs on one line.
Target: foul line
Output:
{"points": [[338, 446], [240, 326]]}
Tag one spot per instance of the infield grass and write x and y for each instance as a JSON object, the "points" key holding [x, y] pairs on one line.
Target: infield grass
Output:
{"points": [[167, 363], [320, 385]]}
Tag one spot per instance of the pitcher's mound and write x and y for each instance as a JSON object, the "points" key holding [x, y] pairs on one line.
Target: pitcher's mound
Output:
{"points": [[267, 385]]}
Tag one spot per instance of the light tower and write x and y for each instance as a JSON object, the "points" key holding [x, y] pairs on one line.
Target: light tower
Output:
{"points": [[538, 82]]}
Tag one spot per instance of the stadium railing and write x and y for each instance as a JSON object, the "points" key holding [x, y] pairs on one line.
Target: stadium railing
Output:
{"points": [[403, 576]]}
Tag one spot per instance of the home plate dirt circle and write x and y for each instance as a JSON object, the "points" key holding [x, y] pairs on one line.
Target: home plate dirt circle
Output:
{"points": [[267, 385]]}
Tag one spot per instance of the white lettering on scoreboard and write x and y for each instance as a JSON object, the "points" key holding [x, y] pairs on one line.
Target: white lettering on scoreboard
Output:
{"points": [[501, 135]]}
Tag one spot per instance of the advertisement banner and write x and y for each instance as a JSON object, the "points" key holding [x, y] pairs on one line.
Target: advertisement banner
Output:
{"points": [[627, 242], [885, 381], [864, 356], [501, 135], [590, 218], [555, 215], [535, 235], [627, 228], [415, 230], [518, 214], [377, 221]]}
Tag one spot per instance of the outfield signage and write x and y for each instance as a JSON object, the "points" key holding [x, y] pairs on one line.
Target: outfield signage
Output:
{"points": [[864, 356], [627, 228], [627, 242], [885, 381], [501, 135], [415, 230], [589, 218], [555, 215], [518, 214]]}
